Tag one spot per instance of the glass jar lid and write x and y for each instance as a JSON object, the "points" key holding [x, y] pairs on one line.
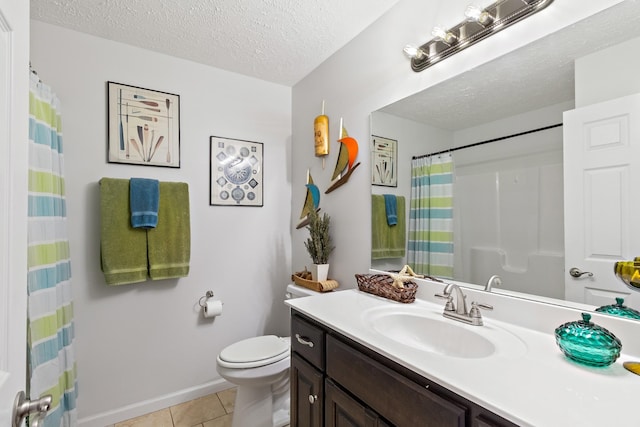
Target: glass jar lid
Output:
{"points": [[619, 309]]}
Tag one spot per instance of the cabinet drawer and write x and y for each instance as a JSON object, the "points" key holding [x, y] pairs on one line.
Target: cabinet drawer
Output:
{"points": [[394, 397], [308, 341]]}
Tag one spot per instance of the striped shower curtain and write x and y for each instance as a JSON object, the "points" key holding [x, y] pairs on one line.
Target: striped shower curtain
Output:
{"points": [[430, 247], [51, 359]]}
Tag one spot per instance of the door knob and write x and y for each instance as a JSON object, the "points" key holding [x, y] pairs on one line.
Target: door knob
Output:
{"points": [[23, 407], [575, 272], [313, 398]]}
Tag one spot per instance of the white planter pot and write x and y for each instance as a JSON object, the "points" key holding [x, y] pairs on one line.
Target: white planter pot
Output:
{"points": [[319, 272]]}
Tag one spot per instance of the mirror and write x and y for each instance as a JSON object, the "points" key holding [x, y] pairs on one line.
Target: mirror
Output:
{"points": [[522, 91]]}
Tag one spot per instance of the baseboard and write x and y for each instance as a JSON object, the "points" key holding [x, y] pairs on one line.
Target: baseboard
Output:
{"points": [[152, 405]]}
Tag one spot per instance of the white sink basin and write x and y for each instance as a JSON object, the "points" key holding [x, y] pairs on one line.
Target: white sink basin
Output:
{"points": [[424, 329]]}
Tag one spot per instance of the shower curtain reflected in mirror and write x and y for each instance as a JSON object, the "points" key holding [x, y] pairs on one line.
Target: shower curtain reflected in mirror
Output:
{"points": [[51, 355], [430, 243]]}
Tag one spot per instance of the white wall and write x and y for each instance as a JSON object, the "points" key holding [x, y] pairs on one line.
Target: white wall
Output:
{"points": [[371, 72], [145, 346], [608, 74]]}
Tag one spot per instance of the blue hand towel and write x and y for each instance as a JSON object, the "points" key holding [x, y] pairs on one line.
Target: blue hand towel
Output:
{"points": [[144, 196], [391, 208]]}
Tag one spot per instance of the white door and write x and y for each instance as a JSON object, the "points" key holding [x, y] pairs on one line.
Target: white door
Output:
{"points": [[602, 175], [14, 51]]}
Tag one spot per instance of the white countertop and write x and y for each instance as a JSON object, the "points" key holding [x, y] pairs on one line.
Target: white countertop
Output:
{"points": [[536, 386]]}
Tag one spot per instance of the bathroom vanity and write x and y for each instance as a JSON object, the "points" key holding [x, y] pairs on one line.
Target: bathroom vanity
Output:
{"points": [[334, 379], [362, 360]]}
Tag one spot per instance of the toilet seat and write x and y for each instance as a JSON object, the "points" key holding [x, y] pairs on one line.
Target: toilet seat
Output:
{"points": [[254, 352]]}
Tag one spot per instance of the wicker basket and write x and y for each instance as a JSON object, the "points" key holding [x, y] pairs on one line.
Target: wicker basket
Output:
{"points": [[382, 286]]}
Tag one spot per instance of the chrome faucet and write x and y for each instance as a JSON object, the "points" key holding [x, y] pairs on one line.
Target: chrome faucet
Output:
{"points": [[458, 310], [493, 280]]}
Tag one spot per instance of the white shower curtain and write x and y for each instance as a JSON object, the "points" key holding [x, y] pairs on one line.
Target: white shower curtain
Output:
{"points": [[430, 246], [51, 359]]}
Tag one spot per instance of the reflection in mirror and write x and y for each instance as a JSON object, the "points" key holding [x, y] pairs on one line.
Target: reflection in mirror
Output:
{"points": [[508, 211]]}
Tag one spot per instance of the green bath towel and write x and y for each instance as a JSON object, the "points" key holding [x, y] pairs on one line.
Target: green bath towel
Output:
{"points": [[123, 249], [170, 242], [387, 241]]}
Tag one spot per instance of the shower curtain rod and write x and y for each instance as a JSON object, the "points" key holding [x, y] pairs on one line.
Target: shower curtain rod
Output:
{"points": [[487, 141]]}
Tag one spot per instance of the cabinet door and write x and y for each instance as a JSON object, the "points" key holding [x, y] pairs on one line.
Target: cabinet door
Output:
{"points": [[307, 394], [341, 410], [393, 396]]}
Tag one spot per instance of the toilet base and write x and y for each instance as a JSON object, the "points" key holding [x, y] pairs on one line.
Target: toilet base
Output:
{"points": [[262, 406]]}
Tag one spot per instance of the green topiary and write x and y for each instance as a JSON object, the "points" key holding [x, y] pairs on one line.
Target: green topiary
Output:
{"points": [[319, 243]]}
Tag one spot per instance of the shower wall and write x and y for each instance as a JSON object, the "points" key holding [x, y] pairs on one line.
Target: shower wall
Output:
{"points": [[509, 206]]}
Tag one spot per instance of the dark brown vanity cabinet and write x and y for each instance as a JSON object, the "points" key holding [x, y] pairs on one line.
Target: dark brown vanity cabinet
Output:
{"points": [[338, 382], [307, 373]]}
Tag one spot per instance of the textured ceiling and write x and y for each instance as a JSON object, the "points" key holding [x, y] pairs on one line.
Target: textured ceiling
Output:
{"points": [[274, 40], [535, 76]]}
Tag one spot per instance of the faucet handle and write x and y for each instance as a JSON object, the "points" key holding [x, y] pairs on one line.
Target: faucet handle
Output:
{"points": [[449, 304], [475, 309]]}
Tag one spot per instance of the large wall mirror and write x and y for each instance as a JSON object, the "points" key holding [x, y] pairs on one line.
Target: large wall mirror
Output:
{"points": [[509, 191]]}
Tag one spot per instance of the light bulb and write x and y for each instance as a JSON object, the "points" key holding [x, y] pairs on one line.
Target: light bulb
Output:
{"points": [[472, 12], [478, 15], [414, 52], [446, 36]]}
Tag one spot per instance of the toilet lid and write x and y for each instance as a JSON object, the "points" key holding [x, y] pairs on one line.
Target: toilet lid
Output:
{"points": [[256, 349]]}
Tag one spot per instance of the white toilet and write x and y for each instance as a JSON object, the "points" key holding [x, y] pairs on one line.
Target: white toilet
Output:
{"points": [[259, 367]]}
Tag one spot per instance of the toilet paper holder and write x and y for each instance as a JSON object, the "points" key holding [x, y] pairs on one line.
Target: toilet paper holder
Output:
{"points": [[206, 296]]}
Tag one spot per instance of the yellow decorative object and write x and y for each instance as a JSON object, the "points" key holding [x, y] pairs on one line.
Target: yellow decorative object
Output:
{"points": [[405, 275], [632, 367], [628, 272], [321, 135]]}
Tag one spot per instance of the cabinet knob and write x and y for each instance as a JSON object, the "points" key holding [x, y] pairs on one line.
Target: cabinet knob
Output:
{"points": [[312, 398], [304, 340]]}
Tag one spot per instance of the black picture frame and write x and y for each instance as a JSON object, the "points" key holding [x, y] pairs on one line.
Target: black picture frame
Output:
{"points": [[235, 172], [143, 126]]}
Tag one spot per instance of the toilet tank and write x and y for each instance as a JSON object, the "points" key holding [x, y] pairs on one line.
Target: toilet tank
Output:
{"points": [[296, 291]]}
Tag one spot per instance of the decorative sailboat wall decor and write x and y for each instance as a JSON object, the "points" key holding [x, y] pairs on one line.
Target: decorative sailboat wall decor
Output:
{"points": [[311, 202], [346, 159]]}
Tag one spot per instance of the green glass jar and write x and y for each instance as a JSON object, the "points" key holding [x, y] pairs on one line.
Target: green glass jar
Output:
{"points": [[587, 343], [619, 309]]}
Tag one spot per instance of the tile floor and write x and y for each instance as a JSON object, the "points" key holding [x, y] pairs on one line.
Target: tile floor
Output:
{"points": [[214, 410]]}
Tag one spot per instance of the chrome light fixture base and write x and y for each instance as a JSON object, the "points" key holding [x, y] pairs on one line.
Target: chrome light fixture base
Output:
{"points": [[494, 18]]}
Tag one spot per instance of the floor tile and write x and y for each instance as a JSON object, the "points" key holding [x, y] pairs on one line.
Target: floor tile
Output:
{"points": [[228, 398], [224, 421], [197, 411], [160, 418]]}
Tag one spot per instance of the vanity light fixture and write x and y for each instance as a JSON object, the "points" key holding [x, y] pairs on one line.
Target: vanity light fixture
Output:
{"points": [[480, 23]]}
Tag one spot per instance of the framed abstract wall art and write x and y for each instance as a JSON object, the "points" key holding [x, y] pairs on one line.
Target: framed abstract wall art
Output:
{"points": [[143, 126], [384, 161], [235, 172]]}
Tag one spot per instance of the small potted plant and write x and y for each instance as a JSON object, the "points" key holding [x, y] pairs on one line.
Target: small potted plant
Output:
{"points": [[319, 245]]}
